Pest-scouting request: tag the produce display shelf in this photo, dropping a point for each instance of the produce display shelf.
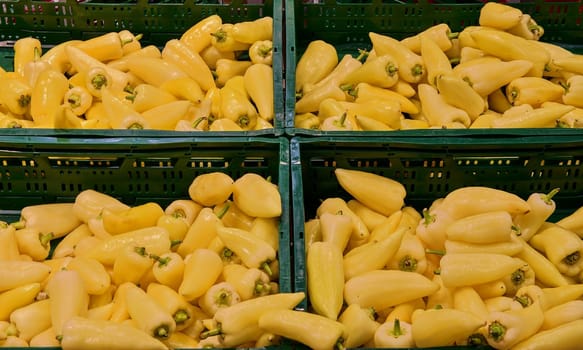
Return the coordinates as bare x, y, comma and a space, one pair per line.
346, 23
429, 168
158, 22
37, 170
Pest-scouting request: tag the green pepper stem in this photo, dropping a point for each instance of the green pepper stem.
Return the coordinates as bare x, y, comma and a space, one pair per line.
523, 300
162, 332
496, 331
549, 196
19, 224
24, 100
362, 55
175, 242
181, 316
211, 332
572, 258
223, 211
417, 70
45, 238
453, 35
266, 268
408, 263
397, 330
435, 251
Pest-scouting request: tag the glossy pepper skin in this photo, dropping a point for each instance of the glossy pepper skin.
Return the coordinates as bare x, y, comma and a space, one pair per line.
15, 273
258, 83
411, 65
436, 109
442, 327
487, 75
41, 217
471, 269
318, 60
565, 256
254, 252
533, 91
500, 16
150, 317
325, 287
508, 328
80, 332
16, 298
542, 206
198, 36
68, 296
395, 287
301, 326
201, 271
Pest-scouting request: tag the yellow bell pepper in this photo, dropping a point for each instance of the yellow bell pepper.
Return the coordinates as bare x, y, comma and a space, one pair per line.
336, 205
460, 94
83, 63
345, 66
381, 71
94, 275
175, 225
16, 298
471, 269
202, 269
436, 61
41, 217
8, 243
565, 256
542, 206
146, 96
184, 209
256, 196
154, 239
254, 252
372, 255
47, 95
571, 63
318, 60
106, 334
90, 203
437, 110
167, 115
508, 328
25, 51
201, 232
544, 270
252, 31
508, 47
410, 256
224, 39
15, 95
149, 316
315, 331
78, 99
131, 265
168, 269
527, 28
261, 51
393, 333
499, 15
32, 319
361, 185
129, 42
573, 91
104, 47
523, 276
325, 286
365, 92
34, 243
190, 62
248, 282
360, 325
211, 189
533, 91
258, 83
545, 116
238, 317
68, 297
184, 88
488, 75
155, 71
469, 300
411, 65
485, 228
392, 287
236, 107
134, 218
198, 36
442, 327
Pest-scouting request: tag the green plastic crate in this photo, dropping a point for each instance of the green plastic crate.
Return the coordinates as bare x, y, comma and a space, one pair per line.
36, 170
429, 168
346, 24
56, 22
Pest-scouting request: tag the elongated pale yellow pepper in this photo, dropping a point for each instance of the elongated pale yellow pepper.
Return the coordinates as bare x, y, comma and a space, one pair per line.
134, 218
202, 269
16, 298
325, 286
257, 196
68, 297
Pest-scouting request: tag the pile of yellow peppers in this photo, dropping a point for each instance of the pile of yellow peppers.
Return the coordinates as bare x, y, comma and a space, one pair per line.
100, 274
217, 76
497, 74
479, 266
